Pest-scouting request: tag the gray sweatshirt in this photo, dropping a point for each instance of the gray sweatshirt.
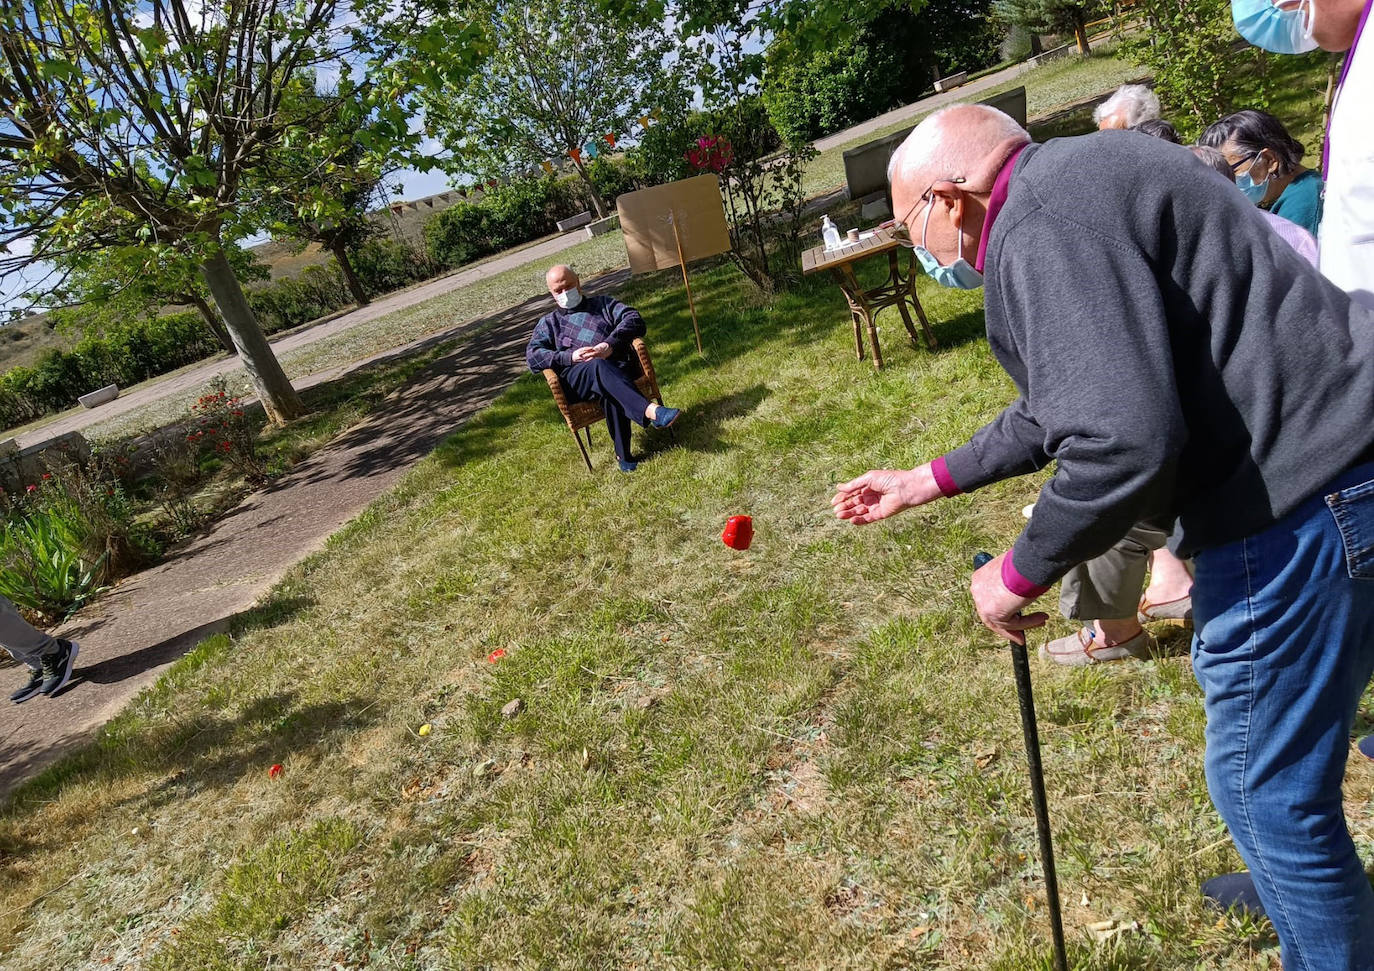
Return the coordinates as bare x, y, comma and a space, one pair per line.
1173, 355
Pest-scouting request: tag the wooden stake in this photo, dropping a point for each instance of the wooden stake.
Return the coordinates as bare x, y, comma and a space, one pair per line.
672, 217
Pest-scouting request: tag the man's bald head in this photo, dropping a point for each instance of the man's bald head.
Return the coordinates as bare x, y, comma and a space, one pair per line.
963, 143
956, 153
560, 278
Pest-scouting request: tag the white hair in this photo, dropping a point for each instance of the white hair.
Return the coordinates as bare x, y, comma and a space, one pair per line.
1136, 101
928, 149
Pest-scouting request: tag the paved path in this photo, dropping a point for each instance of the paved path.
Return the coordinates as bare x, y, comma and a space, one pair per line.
129, 636
197, 377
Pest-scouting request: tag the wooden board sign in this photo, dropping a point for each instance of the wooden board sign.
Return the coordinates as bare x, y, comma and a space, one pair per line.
647, 219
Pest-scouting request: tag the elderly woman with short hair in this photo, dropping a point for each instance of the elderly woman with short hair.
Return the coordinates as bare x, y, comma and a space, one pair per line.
1267, 162
1130, 105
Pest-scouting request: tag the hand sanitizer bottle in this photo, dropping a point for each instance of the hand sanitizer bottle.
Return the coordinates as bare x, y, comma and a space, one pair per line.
830, 234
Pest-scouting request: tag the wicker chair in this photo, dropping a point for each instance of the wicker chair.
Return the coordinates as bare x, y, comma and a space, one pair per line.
582, 415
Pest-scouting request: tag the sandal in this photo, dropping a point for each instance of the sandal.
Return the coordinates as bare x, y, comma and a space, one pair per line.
1077, 649
1178, 612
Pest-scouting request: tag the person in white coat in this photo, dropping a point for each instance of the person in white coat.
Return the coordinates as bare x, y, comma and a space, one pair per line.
1346, 240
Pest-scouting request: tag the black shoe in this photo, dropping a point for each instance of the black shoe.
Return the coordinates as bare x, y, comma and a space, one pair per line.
31, 688
1234, 891
57, 666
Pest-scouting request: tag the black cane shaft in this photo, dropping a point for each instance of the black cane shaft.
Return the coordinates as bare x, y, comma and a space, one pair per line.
1021, 666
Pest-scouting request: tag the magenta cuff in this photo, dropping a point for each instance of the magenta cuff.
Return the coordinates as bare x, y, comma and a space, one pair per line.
1016, 583
943, 480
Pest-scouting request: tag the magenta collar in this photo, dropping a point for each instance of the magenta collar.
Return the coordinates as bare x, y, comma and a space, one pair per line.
1000, 188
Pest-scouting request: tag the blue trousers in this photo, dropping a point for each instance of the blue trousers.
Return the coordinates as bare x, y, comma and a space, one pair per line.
610, 384
1283, 650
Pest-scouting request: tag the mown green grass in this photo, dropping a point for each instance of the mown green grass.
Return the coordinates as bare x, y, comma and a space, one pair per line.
806, 755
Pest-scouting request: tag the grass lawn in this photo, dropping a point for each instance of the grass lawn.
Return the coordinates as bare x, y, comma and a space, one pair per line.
803, 756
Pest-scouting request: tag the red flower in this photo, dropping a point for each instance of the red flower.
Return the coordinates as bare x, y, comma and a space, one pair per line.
496, 655
31, 488
47, 475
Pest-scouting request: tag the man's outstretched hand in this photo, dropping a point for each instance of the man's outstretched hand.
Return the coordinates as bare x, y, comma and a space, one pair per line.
884, 492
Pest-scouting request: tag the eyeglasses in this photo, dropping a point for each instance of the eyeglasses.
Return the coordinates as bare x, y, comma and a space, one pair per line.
1248, 160
925, 199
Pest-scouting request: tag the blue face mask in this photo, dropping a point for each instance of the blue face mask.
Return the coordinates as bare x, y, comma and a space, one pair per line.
1254, 192
1281, 31
959, 275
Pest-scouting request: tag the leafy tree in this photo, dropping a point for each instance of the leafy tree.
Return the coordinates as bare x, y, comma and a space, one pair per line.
113, 284
1051, 17
1189, 47
152, 112
289, 181
562, 73
890, 61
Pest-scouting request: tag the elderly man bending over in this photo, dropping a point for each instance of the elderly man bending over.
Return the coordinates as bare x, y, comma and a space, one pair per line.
1179, 362
1130, 105
587, 341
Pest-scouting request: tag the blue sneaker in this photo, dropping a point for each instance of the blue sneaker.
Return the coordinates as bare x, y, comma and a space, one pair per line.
1233, 891
664, 417
627, 466
1365, 746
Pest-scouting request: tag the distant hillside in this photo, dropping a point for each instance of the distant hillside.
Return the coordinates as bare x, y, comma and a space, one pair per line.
21, 342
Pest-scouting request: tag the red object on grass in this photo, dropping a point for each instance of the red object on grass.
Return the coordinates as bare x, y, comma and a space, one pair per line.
275, 771
739, 532
496, 655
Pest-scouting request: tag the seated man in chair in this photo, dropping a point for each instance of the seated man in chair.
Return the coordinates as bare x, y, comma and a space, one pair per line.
587, 342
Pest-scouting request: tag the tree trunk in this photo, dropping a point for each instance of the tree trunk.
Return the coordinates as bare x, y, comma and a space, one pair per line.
212, 322
598, 203
279, 398
355, 285
1080, 34
1037, 48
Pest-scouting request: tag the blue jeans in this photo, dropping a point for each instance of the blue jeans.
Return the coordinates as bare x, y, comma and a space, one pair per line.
611, 384
1283, 650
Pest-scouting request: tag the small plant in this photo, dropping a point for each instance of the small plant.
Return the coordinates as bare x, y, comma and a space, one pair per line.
176, 474
42, 566
223, 426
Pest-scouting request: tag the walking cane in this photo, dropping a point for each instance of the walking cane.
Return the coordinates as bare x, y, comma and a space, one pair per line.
1021, 666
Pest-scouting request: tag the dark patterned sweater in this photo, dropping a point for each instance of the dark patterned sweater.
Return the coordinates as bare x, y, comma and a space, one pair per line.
592, 321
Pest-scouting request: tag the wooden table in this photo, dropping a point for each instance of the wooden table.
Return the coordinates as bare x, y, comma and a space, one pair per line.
864, 305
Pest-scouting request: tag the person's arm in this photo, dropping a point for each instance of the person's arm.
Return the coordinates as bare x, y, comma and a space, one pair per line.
1098, 370
627, 325
1011, 444
542, 351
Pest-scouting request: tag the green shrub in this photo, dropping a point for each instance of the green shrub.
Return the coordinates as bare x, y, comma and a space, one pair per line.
613, 176
290, 302
42, 565
506, 216
384, 264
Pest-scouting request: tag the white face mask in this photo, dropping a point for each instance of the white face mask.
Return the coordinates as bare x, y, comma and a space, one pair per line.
570, 297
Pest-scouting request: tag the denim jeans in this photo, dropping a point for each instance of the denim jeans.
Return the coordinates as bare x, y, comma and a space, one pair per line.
1283, 650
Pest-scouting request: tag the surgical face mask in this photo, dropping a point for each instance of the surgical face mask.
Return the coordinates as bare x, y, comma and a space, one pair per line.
1263, 24
569, 298
1254, 191
959, 275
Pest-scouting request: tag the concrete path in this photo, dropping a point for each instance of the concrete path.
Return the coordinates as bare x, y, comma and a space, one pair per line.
129, 636
197, 377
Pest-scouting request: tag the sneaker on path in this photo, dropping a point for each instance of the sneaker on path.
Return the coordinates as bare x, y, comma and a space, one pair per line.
29, 688
57, 666
1080, 649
